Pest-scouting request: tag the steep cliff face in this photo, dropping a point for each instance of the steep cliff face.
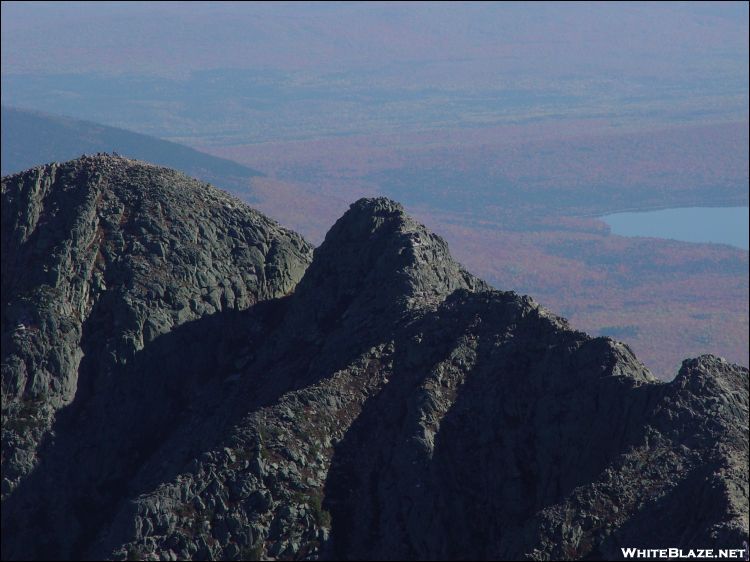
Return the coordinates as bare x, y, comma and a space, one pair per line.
393, 406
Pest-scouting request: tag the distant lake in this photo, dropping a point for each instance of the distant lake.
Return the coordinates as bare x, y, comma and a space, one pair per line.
723, 225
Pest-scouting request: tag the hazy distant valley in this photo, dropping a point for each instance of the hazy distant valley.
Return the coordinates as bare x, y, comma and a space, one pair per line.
316, 281
667, 299
510, 149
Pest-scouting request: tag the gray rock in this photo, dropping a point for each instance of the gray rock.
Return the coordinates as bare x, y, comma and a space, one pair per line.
99, 259
392, 406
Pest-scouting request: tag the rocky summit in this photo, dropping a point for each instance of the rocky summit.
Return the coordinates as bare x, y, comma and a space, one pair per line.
182, 378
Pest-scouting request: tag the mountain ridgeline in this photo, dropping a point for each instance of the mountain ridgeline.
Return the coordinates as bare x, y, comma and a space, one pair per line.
183, 378
32, 138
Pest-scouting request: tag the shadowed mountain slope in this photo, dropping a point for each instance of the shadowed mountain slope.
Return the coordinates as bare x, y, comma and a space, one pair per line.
384, 404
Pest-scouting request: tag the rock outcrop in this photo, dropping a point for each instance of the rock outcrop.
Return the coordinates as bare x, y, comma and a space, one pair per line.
100, 257
182, 390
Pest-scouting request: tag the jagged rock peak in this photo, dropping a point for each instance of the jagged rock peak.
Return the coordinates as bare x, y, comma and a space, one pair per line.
377, 257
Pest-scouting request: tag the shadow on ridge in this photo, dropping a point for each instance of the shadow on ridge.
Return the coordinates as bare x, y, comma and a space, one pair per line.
125, 411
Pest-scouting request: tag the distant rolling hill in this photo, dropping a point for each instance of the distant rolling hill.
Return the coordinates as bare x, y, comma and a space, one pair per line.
31, 138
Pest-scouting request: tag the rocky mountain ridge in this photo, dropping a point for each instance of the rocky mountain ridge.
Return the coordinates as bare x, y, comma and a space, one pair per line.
207, 387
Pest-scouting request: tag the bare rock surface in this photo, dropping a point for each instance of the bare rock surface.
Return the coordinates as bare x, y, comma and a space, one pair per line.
100, 257
185, 387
